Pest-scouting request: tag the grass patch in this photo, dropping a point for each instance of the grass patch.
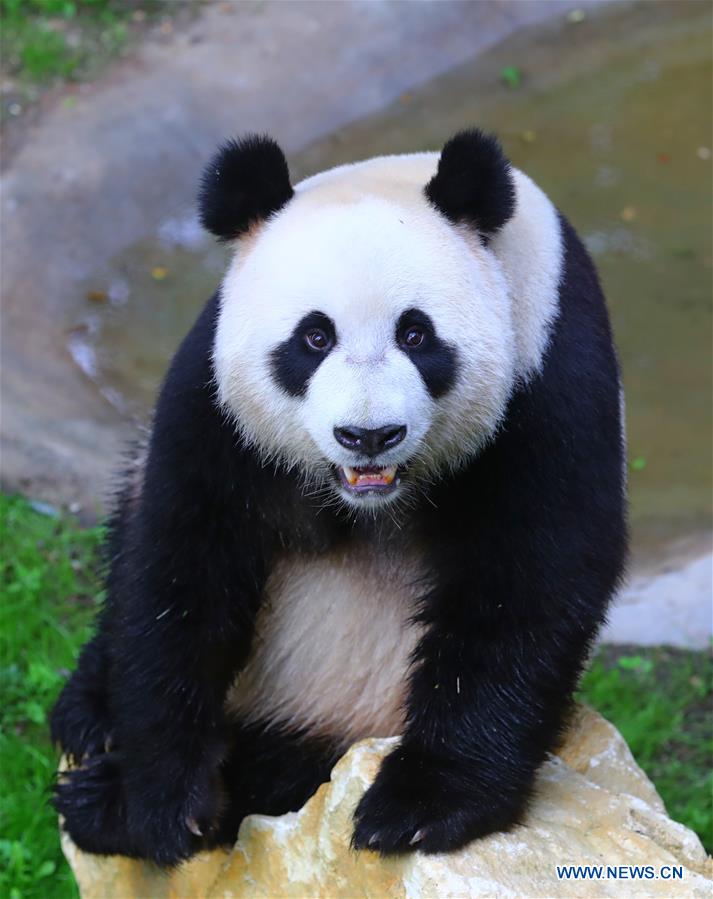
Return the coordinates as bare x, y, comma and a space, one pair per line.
48, 596
45, 40
659, 698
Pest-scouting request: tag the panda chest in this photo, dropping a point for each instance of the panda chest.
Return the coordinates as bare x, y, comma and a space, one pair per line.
332, 645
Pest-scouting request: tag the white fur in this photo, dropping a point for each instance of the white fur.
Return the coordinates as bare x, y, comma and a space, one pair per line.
624, 440
530, 250
361, 244
332, 644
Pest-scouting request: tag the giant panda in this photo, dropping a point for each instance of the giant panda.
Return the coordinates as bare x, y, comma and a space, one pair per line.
383, 495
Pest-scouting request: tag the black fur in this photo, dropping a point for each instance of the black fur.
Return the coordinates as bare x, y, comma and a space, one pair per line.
435, 359
525, 547
246, 181
81, 718
473, 182
269, 773
293, 361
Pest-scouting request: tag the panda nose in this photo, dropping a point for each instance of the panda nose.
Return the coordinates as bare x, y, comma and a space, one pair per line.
370, 440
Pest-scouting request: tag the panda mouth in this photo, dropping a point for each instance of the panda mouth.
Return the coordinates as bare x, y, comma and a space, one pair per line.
369, 478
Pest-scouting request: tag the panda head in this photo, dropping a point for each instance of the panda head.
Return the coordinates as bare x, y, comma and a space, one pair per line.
365, 333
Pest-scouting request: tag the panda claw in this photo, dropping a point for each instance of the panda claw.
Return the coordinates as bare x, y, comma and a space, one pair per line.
192, 825
373, 839
417, 837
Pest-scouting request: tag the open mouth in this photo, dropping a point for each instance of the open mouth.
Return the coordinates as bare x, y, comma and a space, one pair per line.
369, 478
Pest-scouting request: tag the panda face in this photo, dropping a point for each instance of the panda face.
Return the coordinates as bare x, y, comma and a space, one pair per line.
363, 338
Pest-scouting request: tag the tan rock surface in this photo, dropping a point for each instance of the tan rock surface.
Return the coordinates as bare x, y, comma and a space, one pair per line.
594, 806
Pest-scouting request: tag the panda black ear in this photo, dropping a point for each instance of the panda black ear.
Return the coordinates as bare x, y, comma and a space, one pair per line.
245, 182
473, 182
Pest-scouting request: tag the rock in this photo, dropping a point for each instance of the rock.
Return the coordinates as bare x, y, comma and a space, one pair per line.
594, 806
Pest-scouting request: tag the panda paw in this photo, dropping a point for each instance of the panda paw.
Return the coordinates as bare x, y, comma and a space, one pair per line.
421, 802
79, 723
90, 800
166, 822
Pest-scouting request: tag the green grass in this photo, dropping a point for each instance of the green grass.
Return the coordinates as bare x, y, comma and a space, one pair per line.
48, 595
659, 698
45, 40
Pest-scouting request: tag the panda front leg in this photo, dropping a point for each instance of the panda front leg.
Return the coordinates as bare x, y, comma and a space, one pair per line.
184, 589
157, 793
508, 626
175, 641
487, 702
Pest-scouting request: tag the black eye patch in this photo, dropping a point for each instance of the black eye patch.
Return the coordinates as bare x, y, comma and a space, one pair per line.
294, 361
436, 361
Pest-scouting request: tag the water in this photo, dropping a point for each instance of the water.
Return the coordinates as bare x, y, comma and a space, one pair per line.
612, 117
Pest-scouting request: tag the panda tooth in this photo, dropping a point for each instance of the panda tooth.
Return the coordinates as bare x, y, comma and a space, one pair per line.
354, 475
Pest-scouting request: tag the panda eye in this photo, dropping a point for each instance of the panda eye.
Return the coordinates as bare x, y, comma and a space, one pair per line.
317, 339
413, 337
